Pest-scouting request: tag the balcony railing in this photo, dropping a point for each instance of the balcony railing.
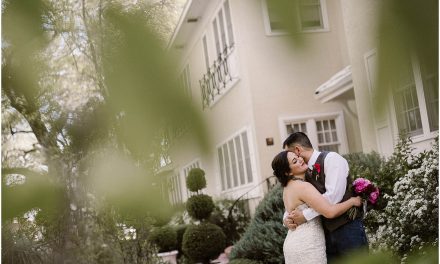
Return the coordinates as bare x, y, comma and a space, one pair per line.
218, 78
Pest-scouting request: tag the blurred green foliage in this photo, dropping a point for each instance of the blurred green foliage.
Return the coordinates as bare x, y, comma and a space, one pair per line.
101, 138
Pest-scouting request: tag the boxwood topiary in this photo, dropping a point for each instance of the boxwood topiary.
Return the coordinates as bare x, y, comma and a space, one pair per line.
200, 206
180, 230
164, 237
196, 180
203, 242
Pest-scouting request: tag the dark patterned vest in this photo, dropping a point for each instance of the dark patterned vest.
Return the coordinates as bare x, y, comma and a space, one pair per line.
319, 183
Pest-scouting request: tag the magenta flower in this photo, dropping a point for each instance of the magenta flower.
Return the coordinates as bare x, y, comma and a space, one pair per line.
374, 196
361, 185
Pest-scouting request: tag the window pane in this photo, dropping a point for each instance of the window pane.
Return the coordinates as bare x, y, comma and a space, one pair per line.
229, 23
216, 37
289, 129
227, 166
325, 122
274, 18
222, 30
327, 137
240, 159
303, 128
310, 13
222, 168
320, 138
247, 157
318, 125
233, 162
332, 124
335, 136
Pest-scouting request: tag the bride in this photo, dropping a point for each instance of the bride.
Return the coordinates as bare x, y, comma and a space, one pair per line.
307, 243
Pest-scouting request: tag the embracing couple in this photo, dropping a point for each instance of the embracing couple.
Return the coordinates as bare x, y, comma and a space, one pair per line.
316, 183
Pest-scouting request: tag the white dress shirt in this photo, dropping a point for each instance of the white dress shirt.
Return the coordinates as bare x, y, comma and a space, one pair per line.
336, 173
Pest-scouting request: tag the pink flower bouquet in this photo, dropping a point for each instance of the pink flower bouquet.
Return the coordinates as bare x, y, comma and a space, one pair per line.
369, 193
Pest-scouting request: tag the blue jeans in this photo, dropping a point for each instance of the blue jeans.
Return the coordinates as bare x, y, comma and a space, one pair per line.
346, 238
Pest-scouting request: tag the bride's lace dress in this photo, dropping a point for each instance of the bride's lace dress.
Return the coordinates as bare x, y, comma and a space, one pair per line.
306, 244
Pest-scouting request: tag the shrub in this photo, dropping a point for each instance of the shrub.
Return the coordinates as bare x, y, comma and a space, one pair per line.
264, 238
200, 206
196, 180
409, 222
180, 230
235, 226
203, 242
164, 237
409, 191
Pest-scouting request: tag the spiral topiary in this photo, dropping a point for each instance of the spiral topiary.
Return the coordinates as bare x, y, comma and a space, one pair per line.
203, 242
200, 206
164, 237
196, 180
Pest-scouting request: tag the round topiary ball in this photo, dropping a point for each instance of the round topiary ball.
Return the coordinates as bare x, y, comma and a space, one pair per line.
203, 242
200, 206
164, 237
196, 180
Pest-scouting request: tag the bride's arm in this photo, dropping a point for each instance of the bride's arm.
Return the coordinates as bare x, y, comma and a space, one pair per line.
315, 200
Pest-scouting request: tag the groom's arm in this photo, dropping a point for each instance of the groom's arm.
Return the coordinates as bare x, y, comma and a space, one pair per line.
336, 172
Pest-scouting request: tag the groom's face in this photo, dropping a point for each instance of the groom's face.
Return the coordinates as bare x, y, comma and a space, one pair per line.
297, 149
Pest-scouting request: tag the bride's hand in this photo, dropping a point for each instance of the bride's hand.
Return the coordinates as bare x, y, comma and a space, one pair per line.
357, 201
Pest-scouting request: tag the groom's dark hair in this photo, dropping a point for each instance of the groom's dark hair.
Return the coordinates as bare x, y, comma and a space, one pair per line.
297, 138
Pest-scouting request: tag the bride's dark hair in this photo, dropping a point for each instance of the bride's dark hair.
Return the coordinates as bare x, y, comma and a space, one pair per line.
281, 167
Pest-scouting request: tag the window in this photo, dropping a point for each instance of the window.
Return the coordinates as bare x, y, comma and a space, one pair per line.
415, 97
175, 189
327, 135
221, 71
311, 16
185, 81
234, 158
187, 169
326, 132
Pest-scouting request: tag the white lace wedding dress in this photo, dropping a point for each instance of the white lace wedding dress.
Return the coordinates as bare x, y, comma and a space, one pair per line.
306, 244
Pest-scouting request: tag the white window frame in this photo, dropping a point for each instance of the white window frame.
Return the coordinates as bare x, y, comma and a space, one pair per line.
239, 187
270, 32
380, 124
418, 80
310, 121
184, 174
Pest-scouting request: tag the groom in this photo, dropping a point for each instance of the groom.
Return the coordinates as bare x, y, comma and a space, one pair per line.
331, 179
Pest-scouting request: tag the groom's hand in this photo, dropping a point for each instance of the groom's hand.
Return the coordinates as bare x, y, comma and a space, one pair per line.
289, 222
298, 217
